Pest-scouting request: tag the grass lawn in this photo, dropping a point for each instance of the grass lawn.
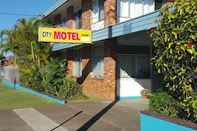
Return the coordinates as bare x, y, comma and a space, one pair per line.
83, 98
12, 99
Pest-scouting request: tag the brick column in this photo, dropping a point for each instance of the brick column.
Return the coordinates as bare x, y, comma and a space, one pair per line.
70, 17
110, 73
110, 12
86, 14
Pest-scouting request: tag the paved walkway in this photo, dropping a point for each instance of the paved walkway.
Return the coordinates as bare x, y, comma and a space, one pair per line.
37, 121
91, 116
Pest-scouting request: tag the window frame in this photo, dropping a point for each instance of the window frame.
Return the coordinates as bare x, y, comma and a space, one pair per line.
78, 15
100, 6
129, 10
119, 9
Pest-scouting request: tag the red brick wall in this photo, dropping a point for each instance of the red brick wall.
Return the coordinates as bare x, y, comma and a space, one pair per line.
110, 12
85, 23
86, 14
71, 23
103, 88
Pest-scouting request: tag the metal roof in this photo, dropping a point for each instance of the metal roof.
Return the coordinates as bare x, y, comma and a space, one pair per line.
58, 4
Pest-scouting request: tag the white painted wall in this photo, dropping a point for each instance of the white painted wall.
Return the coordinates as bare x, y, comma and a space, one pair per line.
131, 87
128, 85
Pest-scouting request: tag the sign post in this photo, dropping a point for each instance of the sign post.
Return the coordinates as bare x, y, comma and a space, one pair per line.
64, 35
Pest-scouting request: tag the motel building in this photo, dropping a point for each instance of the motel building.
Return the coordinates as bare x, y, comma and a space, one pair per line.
116, 65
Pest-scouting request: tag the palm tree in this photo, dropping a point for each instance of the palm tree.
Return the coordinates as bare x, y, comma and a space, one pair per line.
22, 41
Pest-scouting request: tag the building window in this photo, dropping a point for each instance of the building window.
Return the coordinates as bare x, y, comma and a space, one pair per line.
98, 62
77, 69
78, 19
97, 10
128, 9
123, 8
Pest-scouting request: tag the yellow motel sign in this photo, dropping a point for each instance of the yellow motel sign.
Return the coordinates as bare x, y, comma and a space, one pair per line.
64, 35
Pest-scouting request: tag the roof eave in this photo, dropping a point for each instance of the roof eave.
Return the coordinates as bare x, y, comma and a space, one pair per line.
52, 9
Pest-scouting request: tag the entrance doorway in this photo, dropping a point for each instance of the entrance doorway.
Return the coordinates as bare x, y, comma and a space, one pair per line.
133, 75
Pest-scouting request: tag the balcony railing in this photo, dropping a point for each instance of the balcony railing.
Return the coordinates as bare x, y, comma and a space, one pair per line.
141, 23
120, 19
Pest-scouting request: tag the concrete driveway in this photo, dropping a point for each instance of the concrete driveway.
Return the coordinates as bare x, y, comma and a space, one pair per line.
91, 116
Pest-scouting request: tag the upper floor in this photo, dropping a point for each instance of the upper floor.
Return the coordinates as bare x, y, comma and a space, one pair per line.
98, 14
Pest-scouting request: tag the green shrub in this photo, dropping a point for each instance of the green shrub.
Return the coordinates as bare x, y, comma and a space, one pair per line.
187, 109
37, 69
163, 103
175, 56
175, 48
69, 89
29, 54
51, 79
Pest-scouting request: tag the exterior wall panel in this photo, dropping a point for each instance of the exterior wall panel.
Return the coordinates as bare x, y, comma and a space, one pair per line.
110, 12
103, 88
86, 14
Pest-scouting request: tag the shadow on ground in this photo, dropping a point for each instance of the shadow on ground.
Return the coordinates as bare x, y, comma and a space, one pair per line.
95, 118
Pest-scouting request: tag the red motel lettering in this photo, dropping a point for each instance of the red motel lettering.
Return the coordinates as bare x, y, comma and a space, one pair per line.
66, 35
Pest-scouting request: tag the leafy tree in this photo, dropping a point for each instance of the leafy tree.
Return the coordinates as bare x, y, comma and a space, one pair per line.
175, 54
55, 82
37, 69
29, 54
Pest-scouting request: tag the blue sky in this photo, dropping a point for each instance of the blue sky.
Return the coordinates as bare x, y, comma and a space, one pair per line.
32, 7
